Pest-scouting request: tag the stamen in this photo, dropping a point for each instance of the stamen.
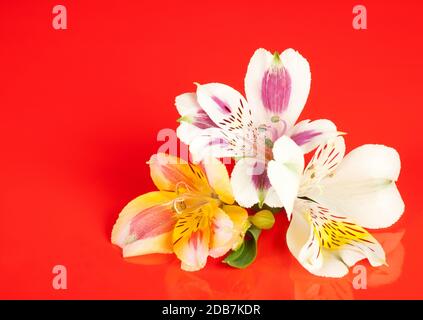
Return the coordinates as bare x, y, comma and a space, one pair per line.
179, 205
181, 188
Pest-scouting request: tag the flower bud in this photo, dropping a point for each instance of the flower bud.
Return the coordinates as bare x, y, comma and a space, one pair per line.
263, 219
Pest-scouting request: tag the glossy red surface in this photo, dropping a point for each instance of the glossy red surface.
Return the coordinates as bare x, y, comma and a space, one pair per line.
80, 110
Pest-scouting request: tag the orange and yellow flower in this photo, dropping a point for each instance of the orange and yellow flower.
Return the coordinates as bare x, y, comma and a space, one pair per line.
192, 214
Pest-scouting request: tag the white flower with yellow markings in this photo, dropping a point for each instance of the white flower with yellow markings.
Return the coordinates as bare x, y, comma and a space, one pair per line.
338, 197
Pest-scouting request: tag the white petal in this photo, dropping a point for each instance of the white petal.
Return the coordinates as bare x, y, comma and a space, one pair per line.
375, 257
260, 62
298, 239
221, 102
333, 244
285, 150
310, 255
210, 142
308, 135
285, 171
324, 162
244, 190
187, 132
272, 199
370, 161
332, 266
299, 71
363, 187
298, 231
192, 113
187, 104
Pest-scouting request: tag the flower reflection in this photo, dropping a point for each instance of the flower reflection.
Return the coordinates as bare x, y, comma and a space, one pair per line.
151, 259
309, 287
216, 283
394, 249
266, 278
260, 281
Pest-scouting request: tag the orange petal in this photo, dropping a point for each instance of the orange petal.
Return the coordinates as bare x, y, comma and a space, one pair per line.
170, 173
145, 225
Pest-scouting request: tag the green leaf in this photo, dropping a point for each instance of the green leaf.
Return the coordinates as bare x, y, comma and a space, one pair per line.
247, 252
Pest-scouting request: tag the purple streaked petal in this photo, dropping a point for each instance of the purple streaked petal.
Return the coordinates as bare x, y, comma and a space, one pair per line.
217, 141
260, 180
202, 120
222, 105
276, 89
303, 137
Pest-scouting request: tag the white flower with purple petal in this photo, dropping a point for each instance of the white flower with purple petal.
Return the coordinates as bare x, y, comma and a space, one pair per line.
218, 121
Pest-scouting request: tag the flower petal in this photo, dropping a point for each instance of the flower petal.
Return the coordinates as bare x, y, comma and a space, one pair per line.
222, 234
170, 173
193, 118
187, 132
161, 243
144, 225
191, 111
224, 105
239, 217
277, 85
245, 192
218, 178
285, 171
301, 242
308, 135
299, 71
187, 104
272, 199
334, 243
259, 64
324, 162
191, 237
251, 185
268, 85
211, 142
337, 233
363, 187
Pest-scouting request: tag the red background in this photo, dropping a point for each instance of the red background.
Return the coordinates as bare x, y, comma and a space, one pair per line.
80, 110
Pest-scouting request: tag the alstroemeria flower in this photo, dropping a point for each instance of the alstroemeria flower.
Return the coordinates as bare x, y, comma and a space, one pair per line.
217, 120
192, 215
339, 197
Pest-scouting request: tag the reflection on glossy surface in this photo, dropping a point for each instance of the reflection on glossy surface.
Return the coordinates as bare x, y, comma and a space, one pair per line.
150, 259
394, 249
210, 285
274, 275
266, 278
310, 287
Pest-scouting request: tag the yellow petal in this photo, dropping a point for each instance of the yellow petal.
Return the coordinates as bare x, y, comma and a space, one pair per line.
239, 217
170, 173
333, 243
218, 178
145, 224
191, 237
